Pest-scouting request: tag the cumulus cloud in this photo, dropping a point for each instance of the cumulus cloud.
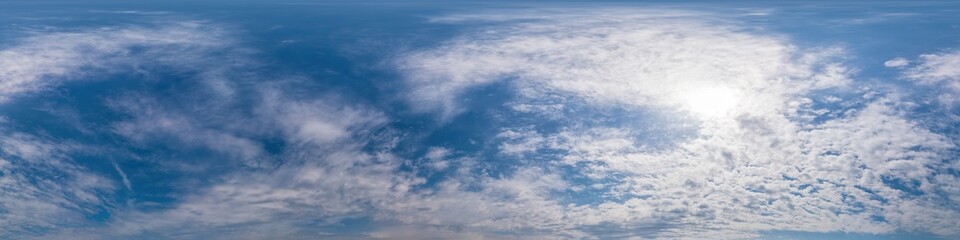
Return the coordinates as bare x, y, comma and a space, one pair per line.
772, 161
759, 174
625, 57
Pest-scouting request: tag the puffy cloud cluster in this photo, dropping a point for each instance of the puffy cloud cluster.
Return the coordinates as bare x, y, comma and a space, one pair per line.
779, 159
621, 57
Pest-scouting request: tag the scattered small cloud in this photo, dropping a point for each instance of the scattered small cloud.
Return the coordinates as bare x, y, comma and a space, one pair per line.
941, 70
896, 63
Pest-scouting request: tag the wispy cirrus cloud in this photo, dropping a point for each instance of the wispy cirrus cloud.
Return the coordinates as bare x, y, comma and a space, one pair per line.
46, 59
336, 164
42, 189
936, 69
50, 187
330, 160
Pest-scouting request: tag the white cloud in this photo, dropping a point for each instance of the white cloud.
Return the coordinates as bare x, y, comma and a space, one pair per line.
325, 173
44, 60
764, 164
325, 176
623, 57
42, 189
941, 70
896, 63
152, 123
437, 158
933, 68
123, 176
756, 174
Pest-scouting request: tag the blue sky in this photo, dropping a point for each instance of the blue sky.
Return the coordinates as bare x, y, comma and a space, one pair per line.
496, 120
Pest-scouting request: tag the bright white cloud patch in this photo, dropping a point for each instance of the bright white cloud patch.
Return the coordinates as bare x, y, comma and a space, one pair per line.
710, 101
760, 161
623, 57
934, 68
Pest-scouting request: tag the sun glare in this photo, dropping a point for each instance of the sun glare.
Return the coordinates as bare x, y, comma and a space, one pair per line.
711, 101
